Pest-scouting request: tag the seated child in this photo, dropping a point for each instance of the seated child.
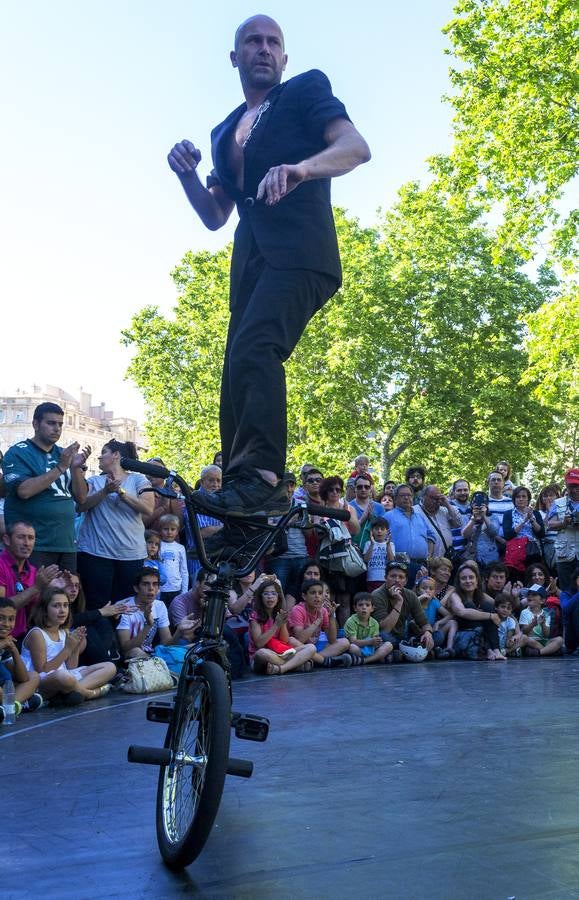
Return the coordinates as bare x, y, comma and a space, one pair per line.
444, 625
11, 666
511, 639
363, 632
309, 618
52, 649
271, 650
378, 551
535, 622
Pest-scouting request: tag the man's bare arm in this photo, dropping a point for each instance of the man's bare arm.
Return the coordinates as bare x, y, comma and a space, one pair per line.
212, 205
346, 149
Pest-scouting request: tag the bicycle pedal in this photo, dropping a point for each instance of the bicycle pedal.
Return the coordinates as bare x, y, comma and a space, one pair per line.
250, 728
159, 711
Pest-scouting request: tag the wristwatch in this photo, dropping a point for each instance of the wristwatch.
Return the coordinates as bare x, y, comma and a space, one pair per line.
121, 492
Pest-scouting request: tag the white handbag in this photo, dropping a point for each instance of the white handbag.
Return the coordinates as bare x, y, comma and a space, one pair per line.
148, 675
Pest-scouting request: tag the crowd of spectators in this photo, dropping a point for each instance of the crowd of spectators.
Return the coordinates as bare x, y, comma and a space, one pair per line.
96, 571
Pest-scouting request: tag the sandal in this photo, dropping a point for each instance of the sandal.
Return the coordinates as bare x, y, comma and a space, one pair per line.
307, 666
273, 669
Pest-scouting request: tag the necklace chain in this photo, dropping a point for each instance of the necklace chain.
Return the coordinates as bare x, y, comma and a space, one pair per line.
260, 111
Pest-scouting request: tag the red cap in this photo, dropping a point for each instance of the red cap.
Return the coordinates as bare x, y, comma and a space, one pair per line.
572, 476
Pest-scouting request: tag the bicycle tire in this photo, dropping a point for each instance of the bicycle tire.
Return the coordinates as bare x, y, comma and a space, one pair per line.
188, 797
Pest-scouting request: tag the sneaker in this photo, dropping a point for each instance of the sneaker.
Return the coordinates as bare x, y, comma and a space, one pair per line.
73, 698
344, 660
33, 703
246, 494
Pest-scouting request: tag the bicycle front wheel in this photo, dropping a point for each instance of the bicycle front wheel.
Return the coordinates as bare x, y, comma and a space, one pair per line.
190, 788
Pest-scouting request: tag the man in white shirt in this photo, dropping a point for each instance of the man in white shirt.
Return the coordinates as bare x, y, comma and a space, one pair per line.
147, 621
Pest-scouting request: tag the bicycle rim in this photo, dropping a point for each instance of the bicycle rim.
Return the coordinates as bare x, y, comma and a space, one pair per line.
189, 790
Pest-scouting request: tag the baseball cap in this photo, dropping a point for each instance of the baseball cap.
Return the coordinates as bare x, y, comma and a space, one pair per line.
538, 589
289, 476
572, 476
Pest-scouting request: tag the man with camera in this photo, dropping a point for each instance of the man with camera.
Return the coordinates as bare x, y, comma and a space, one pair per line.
564, 519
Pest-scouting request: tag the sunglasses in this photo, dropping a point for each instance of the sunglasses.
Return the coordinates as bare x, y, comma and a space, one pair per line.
312, 480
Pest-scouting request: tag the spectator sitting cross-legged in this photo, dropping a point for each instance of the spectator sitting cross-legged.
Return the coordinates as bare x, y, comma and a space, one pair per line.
146, 622
52, 649
189, 607
536, 623
20, 581
443, 623
111, 540
471, 607
398, 611
99, 623
363, 632
271, 650
309, 618
12, 667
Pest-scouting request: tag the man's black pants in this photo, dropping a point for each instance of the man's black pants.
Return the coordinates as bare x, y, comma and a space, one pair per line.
270, 311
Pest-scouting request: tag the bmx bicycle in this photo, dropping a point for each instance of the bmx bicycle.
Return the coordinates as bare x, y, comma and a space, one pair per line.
195, 757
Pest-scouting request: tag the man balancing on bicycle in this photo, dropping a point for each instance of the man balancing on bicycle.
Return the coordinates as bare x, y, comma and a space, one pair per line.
273, 158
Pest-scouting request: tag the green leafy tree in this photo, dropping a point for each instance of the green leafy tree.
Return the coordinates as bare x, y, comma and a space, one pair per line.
177, 362
516, 122
421, 350
553, 374
419, 356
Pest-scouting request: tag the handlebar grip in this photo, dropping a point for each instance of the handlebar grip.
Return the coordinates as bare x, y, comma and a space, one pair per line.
329, 512
145, 468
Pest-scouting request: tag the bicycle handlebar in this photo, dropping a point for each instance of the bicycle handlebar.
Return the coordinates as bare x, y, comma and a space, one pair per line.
329, 512
155, 471
145, 468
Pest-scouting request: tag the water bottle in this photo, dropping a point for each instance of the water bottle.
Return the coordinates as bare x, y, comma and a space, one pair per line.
9, 702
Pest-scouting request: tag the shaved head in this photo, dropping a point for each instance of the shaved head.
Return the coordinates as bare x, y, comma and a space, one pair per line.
249, 22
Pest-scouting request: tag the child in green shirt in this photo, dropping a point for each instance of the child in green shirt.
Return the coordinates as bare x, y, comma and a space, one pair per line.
363, 632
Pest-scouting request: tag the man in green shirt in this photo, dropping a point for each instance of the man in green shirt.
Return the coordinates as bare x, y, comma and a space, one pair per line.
398, 611
38, 488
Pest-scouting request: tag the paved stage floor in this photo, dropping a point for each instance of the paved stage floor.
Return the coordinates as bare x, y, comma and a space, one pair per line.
441, 780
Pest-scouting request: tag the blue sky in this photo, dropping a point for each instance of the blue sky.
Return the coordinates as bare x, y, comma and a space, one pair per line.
92, 220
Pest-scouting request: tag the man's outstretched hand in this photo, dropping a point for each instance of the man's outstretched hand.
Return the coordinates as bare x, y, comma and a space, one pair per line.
184, 158
280, 181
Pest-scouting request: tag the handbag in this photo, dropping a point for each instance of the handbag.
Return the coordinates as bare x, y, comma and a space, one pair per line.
467, 644
533, 551
337, 553
516, 553
147, 675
